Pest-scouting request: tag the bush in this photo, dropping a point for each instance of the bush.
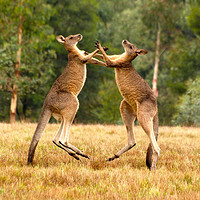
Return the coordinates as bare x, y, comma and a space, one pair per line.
189, 105
109, 99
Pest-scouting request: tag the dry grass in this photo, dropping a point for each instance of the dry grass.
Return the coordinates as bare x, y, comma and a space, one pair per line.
55, 175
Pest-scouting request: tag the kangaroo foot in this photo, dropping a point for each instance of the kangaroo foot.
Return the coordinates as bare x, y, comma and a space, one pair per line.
76, 150
112, 158
69, 151
83, 155
74, 155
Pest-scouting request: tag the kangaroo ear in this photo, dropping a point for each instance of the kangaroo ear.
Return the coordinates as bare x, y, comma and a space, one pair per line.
141, 52
60, 39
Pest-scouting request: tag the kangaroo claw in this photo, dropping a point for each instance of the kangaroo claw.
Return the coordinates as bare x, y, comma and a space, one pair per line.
105, 48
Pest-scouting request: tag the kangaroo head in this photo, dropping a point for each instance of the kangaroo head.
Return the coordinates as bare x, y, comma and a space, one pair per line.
70, 42
132, 50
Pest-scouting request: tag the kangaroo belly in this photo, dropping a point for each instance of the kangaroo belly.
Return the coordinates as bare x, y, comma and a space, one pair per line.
131, 91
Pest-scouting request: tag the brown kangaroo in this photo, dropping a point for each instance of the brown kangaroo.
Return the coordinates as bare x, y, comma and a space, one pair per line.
139, 100
62, 101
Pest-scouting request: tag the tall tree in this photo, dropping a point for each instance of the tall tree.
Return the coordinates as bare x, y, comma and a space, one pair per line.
23, 55
161, 16
13, 104
157, 61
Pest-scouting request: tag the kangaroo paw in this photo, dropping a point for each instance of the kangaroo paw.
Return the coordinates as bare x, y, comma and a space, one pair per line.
105, 48
97, 44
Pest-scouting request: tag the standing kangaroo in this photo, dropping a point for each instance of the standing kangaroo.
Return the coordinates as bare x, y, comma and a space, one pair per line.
139, 100
62, 101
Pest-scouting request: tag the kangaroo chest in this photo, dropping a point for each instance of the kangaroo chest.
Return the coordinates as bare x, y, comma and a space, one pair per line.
72, 79
76, 84
131, 85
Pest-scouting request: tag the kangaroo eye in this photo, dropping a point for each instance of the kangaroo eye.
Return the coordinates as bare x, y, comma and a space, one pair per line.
131, 47
71, 38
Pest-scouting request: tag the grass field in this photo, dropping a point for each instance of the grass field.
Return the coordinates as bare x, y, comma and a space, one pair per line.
56, 175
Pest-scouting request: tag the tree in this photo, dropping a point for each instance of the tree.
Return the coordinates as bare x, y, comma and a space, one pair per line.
23, 56
13, 104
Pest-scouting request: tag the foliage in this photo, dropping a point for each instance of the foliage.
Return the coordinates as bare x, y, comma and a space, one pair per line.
109, 99
193, 18
109, 21
36, 65
188, 108
184, 64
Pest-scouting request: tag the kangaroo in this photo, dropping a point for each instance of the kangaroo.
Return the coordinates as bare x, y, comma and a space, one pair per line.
139, 100
62, 101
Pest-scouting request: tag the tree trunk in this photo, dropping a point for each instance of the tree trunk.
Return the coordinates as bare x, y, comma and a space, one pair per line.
13, 105
157, 60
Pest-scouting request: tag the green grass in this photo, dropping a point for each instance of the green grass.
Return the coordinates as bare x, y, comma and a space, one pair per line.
56, 175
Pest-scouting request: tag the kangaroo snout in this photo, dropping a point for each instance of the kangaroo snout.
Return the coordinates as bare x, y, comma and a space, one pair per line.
124, 41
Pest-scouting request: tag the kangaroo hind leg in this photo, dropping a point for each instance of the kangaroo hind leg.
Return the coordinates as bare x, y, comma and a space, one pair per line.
150, 148
44, 119
56, 142
128, 116
64, 142
146, 121
68, 117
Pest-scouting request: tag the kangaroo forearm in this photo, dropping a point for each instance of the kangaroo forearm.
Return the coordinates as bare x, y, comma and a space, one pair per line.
94, 61
88, 57
97, 55
110, 62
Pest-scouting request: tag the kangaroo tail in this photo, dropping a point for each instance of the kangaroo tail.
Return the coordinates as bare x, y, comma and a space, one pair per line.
150, 149
43, 120
149, 156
